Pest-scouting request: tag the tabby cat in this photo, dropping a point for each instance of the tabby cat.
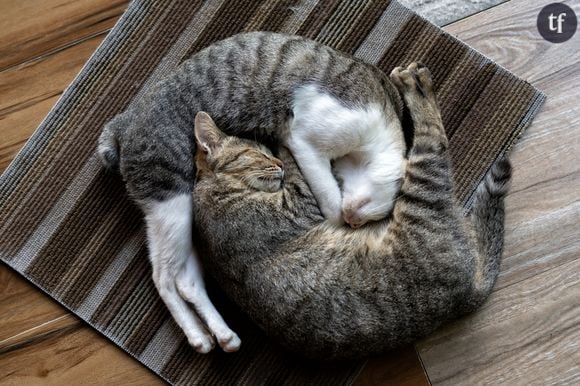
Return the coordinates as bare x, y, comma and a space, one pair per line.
337, 293
323, 105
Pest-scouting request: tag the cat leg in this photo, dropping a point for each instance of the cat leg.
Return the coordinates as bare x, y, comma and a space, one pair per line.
317, 172
191, 287
169, 225
427, 189
416, 86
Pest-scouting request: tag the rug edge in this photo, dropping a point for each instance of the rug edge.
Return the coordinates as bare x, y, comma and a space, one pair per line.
108, 338
532, 111
37, 137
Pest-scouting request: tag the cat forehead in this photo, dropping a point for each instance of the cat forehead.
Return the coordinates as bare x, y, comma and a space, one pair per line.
239, 153
236, 144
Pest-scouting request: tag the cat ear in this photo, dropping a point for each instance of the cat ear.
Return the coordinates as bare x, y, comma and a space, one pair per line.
207, 134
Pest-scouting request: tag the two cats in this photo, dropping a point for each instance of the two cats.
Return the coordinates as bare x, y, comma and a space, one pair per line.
334, 112
339, 293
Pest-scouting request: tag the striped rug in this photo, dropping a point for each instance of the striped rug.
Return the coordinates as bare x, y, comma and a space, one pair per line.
69, 228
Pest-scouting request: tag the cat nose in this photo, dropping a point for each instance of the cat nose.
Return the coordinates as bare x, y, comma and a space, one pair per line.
352, 218
278, 163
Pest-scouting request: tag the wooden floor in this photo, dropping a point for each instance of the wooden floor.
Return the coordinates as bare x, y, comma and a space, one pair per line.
529, 331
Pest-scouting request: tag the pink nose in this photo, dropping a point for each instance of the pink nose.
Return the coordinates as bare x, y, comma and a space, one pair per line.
355, 225
352, 219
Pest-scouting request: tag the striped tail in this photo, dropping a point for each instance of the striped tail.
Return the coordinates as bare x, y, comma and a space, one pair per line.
487, 220
109, 146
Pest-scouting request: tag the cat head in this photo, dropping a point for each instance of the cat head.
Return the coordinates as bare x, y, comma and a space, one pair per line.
236, 162
369, 187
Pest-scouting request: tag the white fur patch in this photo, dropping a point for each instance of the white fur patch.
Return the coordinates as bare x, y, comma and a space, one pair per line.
178, 275
337, 130
169, 230
368, 149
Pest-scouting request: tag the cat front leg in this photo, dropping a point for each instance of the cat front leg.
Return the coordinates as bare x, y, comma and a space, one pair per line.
427, 189
177, 274
317, 172
416, 86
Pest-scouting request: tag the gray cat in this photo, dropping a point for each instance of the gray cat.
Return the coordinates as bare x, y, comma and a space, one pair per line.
337, 293
323, 105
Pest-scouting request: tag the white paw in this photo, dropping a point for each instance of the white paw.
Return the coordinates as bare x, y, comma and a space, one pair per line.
336, 220
333, 215
230, 342
202, 344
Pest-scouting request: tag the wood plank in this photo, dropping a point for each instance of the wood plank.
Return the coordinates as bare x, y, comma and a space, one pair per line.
34, 28
57, 326
543, 206
443, 12
23, 306
399, 367
43, 344
543, 203
40, 341
529, 330
71, 355
507, 33
527, 333
28, 92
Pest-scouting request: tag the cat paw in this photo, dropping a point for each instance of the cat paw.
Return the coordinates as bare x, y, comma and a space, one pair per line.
202, 344
333, 215
335, 219
230, 342
415, 79
416, 85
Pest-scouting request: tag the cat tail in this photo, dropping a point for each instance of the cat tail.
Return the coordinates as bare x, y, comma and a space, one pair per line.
487, 222
108, 148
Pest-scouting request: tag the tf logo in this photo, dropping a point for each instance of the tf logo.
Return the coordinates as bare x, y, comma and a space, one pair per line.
557, 22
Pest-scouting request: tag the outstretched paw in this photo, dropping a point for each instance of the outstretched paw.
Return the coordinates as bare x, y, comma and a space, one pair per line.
415, 79
416, 86
201, 343
230, 342
332, 214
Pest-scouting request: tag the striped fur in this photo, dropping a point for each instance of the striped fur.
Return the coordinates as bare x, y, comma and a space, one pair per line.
334, 293
487, 219
323, 104
247, 83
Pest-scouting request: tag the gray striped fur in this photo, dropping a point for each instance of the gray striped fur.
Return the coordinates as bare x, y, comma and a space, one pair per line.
245, 83
337, 293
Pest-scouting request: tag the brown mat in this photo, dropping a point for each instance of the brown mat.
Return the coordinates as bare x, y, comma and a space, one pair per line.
68, 227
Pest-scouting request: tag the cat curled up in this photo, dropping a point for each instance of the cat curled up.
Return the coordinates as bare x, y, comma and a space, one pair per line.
334, 113
338, 293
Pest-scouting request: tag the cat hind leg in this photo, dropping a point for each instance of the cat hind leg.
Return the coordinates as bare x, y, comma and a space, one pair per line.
169, 227
191, 287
